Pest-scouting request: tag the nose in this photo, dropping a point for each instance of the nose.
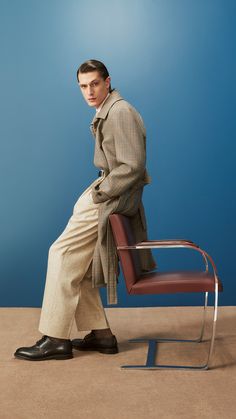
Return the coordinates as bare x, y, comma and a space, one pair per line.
90, 90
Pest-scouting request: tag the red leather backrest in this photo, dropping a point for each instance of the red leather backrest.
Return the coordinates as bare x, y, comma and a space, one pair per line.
129, 259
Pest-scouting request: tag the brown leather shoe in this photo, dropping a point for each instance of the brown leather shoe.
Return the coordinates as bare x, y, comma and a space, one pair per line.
45, 349
92, 343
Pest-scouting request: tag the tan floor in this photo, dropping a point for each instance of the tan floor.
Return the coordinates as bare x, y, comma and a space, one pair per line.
92, 385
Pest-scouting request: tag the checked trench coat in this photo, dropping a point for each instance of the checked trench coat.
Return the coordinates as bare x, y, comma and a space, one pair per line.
120, 150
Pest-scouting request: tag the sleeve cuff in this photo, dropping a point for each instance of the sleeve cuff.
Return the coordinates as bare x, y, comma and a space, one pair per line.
99, 196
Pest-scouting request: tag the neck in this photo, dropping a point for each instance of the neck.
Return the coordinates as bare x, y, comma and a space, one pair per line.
102, 101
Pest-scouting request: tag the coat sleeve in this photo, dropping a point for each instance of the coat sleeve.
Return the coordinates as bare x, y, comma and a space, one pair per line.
129, 142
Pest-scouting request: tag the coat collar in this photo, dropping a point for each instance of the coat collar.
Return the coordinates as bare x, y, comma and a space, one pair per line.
112, 98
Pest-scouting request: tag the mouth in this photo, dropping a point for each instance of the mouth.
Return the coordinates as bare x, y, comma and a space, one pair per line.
91, 99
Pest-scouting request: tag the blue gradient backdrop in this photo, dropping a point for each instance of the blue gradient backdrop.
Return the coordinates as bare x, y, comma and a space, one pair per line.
174, 60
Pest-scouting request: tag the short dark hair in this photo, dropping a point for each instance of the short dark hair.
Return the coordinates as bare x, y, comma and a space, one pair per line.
94, 65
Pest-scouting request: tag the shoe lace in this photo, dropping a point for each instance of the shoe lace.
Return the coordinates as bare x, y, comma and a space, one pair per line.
41, 340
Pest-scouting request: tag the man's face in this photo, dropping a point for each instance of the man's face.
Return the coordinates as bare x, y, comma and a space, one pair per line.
93, 87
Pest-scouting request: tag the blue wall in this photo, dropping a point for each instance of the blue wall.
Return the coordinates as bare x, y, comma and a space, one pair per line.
174, 60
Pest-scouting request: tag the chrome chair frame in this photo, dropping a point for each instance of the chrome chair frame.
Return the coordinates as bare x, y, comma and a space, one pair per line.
152, 343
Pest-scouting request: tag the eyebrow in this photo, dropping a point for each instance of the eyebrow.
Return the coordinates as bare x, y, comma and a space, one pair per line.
84, 84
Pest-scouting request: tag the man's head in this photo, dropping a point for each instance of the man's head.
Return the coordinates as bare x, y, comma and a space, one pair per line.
94, 81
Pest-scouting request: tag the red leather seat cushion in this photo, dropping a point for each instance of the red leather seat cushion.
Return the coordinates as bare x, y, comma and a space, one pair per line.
173, 282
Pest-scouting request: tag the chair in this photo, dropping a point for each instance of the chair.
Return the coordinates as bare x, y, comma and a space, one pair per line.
138, 283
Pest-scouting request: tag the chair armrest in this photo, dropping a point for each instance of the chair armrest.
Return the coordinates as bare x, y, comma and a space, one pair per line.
152, 244
173, 243
166, 242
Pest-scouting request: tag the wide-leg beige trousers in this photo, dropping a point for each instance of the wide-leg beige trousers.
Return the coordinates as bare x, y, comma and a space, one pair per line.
68, 293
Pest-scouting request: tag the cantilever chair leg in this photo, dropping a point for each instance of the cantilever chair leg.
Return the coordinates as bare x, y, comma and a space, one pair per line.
153, 344
204, 318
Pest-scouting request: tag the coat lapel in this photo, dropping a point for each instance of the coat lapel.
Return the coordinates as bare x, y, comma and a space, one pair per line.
112, 98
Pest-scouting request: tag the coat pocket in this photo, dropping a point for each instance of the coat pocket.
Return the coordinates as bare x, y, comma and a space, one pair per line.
129, 202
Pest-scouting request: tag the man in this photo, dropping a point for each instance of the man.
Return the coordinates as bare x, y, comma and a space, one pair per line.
83, 257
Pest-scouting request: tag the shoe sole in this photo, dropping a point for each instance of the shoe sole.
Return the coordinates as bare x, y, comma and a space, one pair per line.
57, 357
101, 350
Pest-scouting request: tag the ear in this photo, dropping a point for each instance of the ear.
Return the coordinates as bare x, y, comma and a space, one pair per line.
108, 81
